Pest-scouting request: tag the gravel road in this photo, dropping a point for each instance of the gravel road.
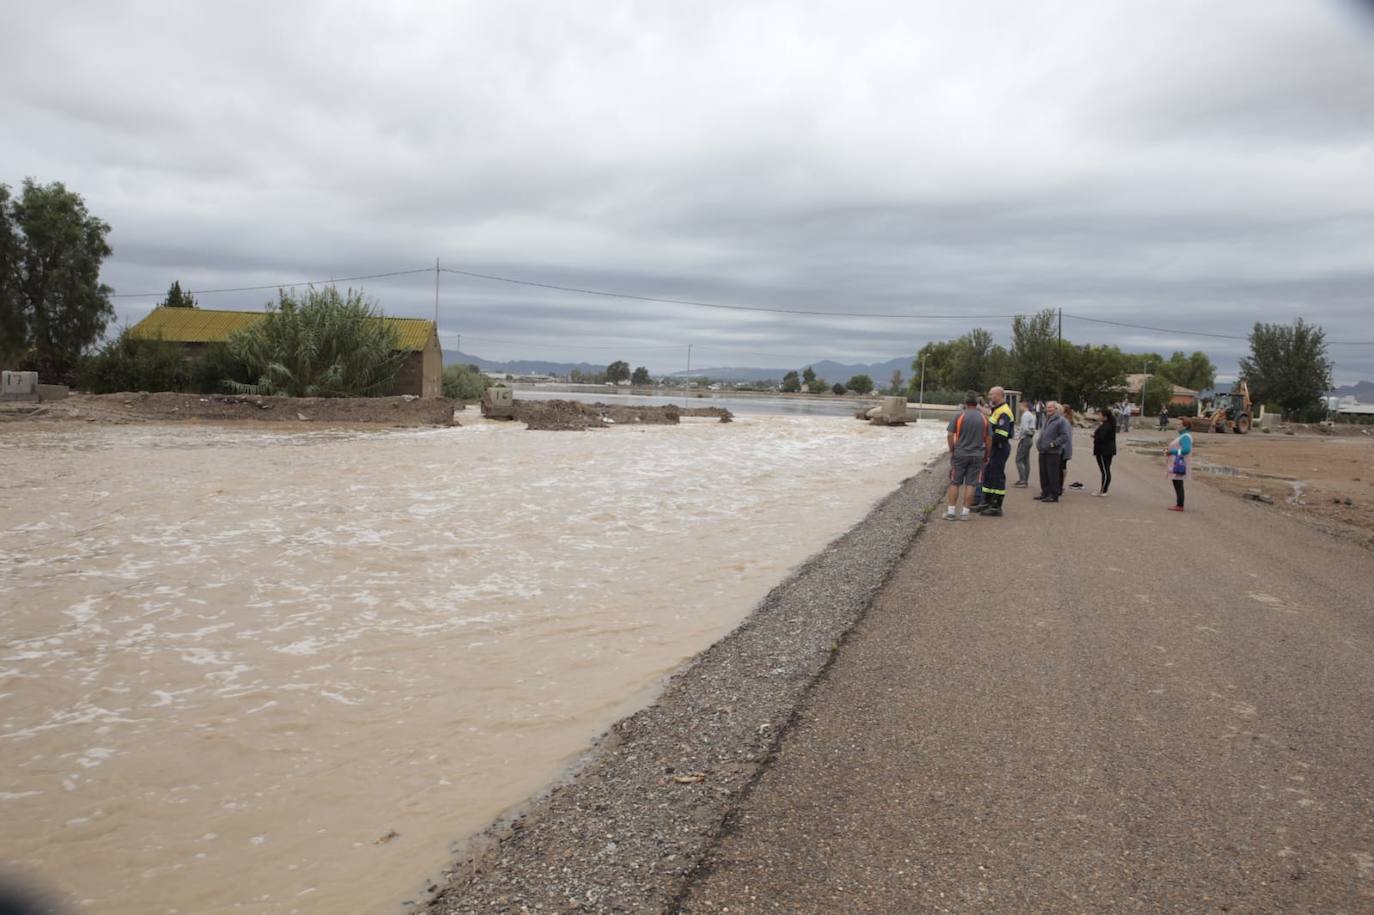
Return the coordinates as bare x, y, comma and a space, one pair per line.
1097, 705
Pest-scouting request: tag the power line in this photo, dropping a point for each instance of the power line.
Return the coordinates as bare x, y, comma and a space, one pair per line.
331, 280
567, 345
762, 308
1199, 333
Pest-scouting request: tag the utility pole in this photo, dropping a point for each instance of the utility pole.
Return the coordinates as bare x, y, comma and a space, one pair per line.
1143, 381
687, 382
436, 295
1059, 356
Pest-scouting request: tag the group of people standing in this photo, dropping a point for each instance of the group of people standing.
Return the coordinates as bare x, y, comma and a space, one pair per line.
981, 436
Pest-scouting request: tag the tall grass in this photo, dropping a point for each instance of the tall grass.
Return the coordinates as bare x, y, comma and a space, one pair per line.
321, 345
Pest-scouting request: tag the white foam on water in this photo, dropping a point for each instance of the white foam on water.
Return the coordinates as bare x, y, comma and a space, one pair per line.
324, 637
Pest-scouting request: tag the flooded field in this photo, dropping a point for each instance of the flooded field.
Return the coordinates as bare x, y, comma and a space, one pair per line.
254, 670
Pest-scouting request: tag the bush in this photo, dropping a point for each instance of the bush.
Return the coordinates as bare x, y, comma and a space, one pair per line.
324, 345
837, 388
128, 363
218, 371
464, 382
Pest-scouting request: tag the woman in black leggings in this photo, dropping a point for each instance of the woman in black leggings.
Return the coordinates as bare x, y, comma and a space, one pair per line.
1104, 449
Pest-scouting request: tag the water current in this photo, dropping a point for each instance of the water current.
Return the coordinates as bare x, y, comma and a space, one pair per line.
252, 670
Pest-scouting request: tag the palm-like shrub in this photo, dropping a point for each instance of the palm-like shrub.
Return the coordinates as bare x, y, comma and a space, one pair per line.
322, 345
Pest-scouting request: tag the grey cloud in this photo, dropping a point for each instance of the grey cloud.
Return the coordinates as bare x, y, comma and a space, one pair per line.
1185, 166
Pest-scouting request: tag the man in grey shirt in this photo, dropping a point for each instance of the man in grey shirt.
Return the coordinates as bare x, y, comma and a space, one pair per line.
968, 449
1025, 437
1055, 440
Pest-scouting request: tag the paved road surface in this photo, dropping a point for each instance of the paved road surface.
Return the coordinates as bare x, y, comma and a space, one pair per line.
1098, 705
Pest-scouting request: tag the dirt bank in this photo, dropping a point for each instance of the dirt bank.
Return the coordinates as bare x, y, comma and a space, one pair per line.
545, 415
1325, 479
214, 408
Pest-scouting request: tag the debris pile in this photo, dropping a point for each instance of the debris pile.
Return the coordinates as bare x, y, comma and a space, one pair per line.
558, 415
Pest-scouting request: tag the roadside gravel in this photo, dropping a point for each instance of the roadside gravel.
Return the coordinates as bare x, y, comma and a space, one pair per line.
635, 819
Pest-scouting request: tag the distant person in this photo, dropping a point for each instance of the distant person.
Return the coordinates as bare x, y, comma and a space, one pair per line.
1001, 425
1025, 439
1104, 449
1180, 457
1163, 418
967, 437
1051, 443
1039, 415
1125, 411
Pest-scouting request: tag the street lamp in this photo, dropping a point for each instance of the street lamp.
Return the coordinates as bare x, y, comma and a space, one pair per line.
921, 410
1143, 381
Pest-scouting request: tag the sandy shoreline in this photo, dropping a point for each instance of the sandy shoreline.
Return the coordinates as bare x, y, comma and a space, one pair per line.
625, 831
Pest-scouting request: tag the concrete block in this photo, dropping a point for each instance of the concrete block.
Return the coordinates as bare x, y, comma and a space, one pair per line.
19, 385
891, 411
47, 392
499, 402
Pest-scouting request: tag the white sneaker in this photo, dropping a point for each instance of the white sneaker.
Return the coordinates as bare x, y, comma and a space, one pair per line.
966, 515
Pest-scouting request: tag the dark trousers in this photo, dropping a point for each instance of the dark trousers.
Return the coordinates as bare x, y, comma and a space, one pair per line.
1104, 467
995, 471
1178, 492
1051, 474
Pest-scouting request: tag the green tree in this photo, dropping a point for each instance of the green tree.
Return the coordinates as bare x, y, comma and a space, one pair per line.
176, 298
1195, 371
895, 383
998, 368
1034, 340
791, 383
640, 376
1159, 390
13, 325
618, 371
972, 354
1143, 363
808, 375
1092, 375
815, 386
1288, 366
52, 302
128, 363
837, 388
938, 358
322, 345
464, 382
862, 384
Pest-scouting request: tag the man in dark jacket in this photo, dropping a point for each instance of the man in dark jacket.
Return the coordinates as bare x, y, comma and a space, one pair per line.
1052, 444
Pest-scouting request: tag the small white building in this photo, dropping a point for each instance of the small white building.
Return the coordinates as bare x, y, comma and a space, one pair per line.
1348, 406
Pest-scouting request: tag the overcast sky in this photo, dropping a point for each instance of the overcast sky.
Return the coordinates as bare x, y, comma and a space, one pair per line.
1187, 165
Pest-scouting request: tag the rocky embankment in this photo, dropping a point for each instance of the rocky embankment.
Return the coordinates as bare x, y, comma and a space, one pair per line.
170, 407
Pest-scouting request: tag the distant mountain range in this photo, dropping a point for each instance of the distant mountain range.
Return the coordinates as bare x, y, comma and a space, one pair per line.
1362, 391
880, 372
519, 366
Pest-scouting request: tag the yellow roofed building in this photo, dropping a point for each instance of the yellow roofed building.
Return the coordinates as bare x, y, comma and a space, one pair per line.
196, 328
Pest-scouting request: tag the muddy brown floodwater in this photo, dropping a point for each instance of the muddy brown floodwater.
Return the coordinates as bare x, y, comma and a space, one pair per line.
260, 671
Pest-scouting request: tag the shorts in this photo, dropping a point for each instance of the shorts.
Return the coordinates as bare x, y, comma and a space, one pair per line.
964, 471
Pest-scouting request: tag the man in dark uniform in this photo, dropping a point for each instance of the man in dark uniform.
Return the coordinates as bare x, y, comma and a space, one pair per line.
1001, 424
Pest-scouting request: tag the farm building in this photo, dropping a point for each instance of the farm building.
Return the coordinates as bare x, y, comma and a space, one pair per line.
196, 328
1181, 396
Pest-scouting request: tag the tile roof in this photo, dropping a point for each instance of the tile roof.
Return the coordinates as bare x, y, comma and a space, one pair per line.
213, 325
